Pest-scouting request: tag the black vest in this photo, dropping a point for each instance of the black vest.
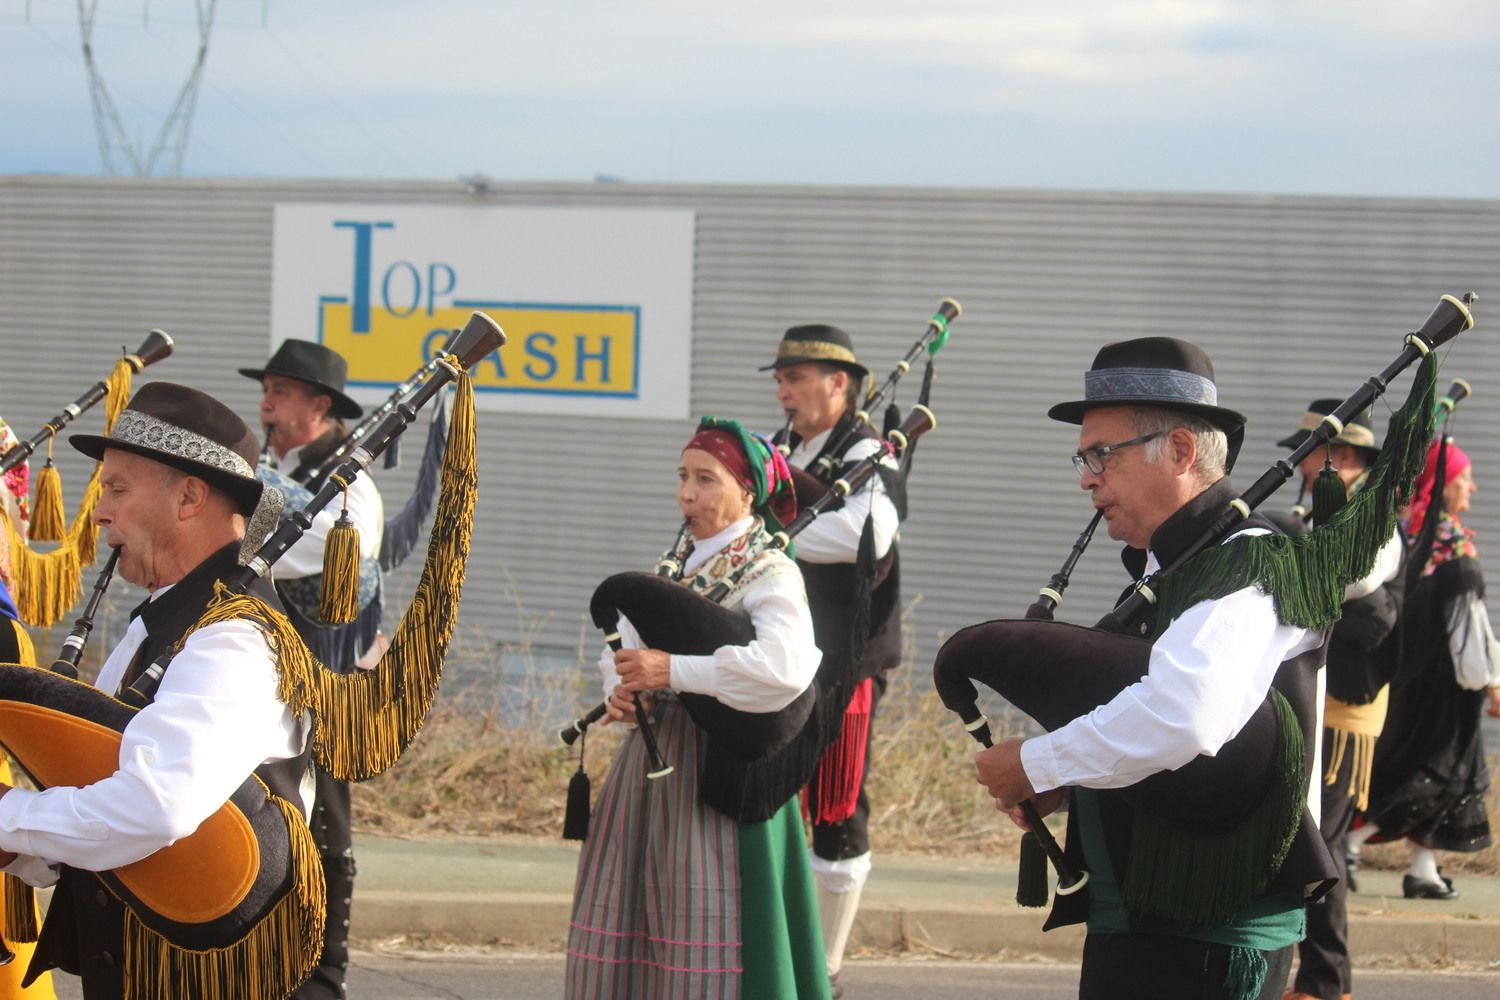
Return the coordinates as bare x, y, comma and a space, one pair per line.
1364, 652
837, 592
83, 933
1307, 867
314, 454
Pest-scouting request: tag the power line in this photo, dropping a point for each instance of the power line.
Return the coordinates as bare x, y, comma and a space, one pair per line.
115, 145
348, 115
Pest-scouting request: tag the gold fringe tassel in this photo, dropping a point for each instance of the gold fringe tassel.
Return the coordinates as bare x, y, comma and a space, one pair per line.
20, 911
271, 960
27, 653
19, 908
50, 584
367, 718
1361, 746
1355, 729
339, 601
47, 518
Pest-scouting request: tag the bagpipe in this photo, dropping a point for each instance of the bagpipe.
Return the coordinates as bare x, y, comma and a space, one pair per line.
932, 340
50, 583
1055, 672
755, 761
339, 612
237, 907
373, 419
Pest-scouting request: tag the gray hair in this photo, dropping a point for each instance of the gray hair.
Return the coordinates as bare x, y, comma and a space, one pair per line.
1212, 443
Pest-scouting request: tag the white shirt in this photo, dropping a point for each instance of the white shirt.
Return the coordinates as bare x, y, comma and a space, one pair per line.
366, 510
763, 676
215, 719
1208, 673
1472, 644
834, 537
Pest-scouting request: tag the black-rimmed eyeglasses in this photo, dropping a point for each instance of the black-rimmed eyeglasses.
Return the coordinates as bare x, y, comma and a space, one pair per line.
1092, 459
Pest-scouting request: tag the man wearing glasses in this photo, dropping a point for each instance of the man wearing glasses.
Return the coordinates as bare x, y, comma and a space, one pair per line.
1154, 451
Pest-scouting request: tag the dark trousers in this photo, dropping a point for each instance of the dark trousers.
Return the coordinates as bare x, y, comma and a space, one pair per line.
1157, 966
331, 832
1324, 968
850, 838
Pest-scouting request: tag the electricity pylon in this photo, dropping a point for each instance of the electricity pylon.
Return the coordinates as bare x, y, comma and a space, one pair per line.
115, 146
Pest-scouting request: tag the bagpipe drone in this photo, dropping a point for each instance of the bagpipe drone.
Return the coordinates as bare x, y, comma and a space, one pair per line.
237, 907
1055, 672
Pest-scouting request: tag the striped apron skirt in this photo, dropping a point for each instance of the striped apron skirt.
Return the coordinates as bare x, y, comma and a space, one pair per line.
675, 900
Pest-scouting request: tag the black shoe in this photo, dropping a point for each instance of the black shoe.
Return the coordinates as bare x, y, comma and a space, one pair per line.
1351, 865
1415, 888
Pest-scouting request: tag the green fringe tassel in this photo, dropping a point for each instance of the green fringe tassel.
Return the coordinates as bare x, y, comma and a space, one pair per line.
1246, 975
339, 604
1329, 495
1306, 576
1031, 874
1205, 881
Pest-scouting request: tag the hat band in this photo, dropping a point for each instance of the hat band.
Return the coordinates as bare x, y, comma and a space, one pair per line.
145, 431
813, 350
1360, 437
1148, 385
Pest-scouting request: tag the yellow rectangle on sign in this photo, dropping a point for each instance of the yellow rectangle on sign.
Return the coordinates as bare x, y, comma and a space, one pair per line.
550, 348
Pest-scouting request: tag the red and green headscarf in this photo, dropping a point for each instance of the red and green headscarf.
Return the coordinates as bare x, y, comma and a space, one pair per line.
755, 464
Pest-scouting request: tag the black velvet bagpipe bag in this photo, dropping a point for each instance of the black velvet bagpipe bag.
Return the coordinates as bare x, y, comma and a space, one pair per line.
208, 890
672, 618
1056, 672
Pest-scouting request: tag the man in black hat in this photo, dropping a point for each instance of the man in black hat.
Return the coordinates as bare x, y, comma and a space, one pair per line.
1154, 450
178, 485
1360, 668
303, 407
850, 563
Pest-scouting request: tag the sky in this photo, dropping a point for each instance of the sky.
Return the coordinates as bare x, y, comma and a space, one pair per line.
1376, 97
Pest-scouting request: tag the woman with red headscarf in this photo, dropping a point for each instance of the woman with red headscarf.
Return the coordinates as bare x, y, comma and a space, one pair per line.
675, 899
1430, 777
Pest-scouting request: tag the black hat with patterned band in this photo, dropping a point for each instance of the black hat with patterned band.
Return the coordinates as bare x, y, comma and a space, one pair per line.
1357, 432
188, 430
817, 342
1152, 371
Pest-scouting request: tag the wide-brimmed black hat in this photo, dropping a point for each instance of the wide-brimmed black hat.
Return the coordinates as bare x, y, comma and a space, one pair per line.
188, 430
1357, 431
1152, 371
321, 367
817, 342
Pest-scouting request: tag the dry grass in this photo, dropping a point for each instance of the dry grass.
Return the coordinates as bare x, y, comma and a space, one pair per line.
481, 767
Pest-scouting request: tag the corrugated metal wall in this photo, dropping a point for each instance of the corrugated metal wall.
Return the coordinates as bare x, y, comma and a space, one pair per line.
1294, 297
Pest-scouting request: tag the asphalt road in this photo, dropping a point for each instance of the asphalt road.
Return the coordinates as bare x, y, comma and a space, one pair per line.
511, 976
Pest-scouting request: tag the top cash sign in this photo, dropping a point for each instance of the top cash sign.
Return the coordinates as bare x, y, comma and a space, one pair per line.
596, 304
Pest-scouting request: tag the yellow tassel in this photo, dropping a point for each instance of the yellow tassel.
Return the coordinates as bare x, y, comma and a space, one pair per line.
367, 718
50, 584
339, 604
26, 653
20, 911
47, 518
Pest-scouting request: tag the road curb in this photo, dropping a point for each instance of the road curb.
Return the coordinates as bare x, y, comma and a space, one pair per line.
540, 921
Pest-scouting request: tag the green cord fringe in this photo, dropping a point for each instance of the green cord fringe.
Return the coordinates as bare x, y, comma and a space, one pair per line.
1306, 576
1206, 881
